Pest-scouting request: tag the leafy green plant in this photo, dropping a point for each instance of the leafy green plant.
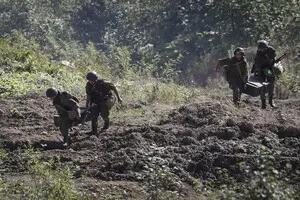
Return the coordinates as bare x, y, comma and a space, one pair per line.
158, 186
3, 154
262, 181
46, 181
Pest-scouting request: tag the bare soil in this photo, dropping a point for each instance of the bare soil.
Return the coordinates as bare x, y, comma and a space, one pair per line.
190, 141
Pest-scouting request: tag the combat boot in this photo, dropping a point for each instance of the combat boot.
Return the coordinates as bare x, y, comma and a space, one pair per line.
67, 141
237, 103
94, 127
263, 104
271, 102
94, 130
106, 124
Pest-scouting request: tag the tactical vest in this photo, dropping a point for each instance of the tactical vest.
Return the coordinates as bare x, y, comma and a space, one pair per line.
99, 91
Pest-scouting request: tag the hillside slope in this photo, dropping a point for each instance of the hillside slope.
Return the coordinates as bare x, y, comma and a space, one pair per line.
189, 141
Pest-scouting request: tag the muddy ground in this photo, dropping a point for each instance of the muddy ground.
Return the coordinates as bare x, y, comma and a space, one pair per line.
190, 142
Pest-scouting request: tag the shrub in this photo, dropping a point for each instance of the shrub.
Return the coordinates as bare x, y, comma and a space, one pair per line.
46, 181
262, 181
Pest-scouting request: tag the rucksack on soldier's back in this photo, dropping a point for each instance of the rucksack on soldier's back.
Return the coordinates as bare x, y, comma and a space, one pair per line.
278, 69
110, 101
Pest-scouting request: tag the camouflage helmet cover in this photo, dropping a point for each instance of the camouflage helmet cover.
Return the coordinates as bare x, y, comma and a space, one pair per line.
262, 44
239, 49
51, 92
92, 76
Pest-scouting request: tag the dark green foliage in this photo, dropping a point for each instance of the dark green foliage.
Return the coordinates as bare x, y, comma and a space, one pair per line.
262, 180
46, 180
173, 40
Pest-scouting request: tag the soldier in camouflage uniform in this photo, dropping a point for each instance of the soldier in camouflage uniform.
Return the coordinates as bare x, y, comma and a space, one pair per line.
263, 68
99, 96
236, 73
68, 110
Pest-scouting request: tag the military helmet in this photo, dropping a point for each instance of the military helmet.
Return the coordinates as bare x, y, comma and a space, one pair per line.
239, 49
262, 44
92, 76
51, 92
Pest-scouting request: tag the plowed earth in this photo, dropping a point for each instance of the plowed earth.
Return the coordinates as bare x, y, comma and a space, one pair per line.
190, 141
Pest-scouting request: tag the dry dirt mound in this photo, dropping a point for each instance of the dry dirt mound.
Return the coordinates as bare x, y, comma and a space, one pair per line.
192, 141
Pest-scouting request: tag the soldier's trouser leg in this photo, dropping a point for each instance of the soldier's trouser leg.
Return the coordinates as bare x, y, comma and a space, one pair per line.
104, 112
94, 118
263, 93
271, 88
64, 129
94, 125
236, 89
235, 95
263, 97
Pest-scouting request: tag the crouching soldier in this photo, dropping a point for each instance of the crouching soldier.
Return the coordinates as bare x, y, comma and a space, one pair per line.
68, 110
99, 99
236, 73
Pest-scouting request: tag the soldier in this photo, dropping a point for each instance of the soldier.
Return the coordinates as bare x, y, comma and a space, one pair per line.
236, 73
68, 110
263, 69
100, 99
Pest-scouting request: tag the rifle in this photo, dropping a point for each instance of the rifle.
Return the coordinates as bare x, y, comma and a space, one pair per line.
278, 69
279, 59
272, 61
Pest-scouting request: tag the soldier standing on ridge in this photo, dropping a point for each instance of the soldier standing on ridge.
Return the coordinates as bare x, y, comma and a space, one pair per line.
236, 73
68, 110
100, 99
263, 69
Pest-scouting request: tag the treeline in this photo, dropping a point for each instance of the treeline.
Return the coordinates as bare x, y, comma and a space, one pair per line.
174, 39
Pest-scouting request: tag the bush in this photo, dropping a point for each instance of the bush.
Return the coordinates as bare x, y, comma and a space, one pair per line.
160, 184
46, 181
262, 181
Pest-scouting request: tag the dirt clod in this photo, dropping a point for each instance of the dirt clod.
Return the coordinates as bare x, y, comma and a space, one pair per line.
192, 141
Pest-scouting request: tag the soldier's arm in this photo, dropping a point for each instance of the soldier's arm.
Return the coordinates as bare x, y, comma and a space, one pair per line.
260, 62
271, 54
221, 63
68, 101
113, 88
88, 95
60, 110
88, 101
75, 106
245, 71
224, 61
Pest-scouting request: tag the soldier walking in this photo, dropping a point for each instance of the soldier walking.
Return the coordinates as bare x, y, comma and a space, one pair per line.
236, 73
100, 99
263, 69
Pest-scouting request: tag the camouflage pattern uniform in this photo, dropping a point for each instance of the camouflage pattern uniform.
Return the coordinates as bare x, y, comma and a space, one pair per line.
97, 95
236, 75
263, 62
68, 110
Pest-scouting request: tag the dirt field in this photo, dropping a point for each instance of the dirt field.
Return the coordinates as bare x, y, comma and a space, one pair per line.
189, 141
